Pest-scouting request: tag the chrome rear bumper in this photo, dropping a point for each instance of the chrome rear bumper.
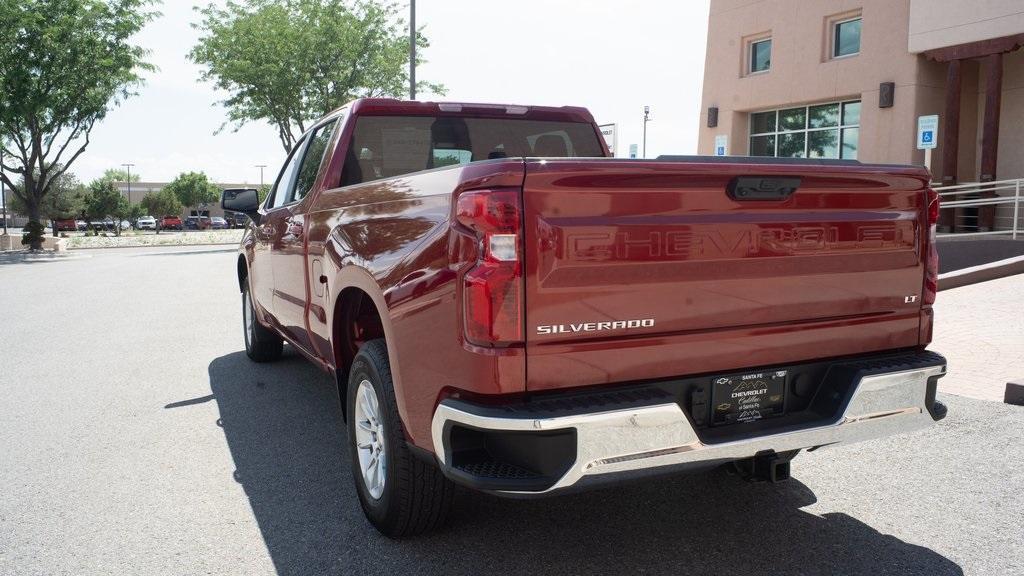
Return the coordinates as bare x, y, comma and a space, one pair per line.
660, 435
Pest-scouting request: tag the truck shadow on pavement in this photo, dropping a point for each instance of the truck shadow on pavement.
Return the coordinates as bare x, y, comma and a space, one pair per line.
285, 434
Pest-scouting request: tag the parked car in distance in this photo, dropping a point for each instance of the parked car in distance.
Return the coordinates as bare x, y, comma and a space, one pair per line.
106, 224
66, 225
239, 220
82, 225
171, 223
146, 223
197, 222
507, 308
218, 223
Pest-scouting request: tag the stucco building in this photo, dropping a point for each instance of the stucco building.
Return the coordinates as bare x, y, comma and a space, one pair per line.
849, 78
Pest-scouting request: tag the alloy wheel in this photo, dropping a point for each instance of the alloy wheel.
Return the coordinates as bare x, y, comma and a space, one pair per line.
369, 431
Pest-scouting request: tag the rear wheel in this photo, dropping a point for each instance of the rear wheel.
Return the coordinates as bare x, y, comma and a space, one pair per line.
261, 343
400, 494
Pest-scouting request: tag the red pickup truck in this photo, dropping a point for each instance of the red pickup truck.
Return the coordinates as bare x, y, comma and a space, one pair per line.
506, 307
171, 223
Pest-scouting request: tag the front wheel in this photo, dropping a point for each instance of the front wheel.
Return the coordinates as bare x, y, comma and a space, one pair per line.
261, 343
400, 494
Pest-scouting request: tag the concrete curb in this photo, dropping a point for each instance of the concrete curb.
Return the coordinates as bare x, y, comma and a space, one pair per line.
982, 273
78, 248
233, 248
19, 256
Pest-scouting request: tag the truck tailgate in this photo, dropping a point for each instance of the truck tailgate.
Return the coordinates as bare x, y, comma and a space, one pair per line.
638, 270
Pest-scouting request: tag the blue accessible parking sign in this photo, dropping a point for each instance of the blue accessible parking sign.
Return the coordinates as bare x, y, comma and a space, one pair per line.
927, 132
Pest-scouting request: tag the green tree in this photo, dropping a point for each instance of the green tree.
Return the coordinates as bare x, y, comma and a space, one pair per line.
262, 192
63, 65
106, 201
118, 175
66, 199
194, 189
134, 212
289, 63
162, 203
32, 235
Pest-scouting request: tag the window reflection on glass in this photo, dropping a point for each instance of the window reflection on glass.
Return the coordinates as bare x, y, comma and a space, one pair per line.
823, 116
762, 145
847, 38
762, 122
851, 114
760, 55
820, 131
443, 157
791, 145
823, 144
793, 119
850, 142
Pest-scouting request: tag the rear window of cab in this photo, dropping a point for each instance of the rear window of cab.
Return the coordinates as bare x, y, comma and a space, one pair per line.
388, 146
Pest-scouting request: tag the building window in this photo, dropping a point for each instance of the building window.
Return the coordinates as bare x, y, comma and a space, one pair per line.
760, 56
846, 38
820, 131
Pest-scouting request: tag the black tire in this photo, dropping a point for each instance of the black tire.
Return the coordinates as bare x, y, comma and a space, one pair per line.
261, 343
416, 497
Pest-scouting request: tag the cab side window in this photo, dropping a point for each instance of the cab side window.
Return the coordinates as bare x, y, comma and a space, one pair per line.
310, 167
283, 186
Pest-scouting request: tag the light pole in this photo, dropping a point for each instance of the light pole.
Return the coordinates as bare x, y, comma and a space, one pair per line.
261, 167
647, 114
129, 167
412, 49
3, 190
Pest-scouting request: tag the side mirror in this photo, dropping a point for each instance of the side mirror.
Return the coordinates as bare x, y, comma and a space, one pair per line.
244, 200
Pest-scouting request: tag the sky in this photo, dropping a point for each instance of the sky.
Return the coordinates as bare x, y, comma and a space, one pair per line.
611, 56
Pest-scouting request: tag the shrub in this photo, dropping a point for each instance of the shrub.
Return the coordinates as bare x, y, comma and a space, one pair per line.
33, 234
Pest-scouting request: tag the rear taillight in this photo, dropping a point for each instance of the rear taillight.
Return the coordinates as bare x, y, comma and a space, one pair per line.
931, 273
493, 288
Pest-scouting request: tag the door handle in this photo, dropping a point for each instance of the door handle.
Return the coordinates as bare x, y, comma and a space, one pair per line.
318, 273
762, 188
293, 228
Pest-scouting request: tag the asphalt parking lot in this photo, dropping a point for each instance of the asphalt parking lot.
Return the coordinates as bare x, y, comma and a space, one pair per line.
136, 438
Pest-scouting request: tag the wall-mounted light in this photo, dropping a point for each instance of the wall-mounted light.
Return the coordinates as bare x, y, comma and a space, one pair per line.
713, 117
886, 94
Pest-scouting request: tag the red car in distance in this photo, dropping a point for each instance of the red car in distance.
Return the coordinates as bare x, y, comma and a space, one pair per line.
66, 225
171, 223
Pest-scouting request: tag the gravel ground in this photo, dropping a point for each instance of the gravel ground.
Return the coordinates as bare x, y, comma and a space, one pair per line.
136, 438
164, 238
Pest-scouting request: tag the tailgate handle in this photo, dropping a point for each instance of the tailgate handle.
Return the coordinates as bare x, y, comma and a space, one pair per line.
762, 187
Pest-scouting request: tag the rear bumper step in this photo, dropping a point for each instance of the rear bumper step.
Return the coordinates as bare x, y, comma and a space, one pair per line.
545, 446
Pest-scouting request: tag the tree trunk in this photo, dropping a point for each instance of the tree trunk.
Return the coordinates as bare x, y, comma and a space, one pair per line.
33, 216
53, 227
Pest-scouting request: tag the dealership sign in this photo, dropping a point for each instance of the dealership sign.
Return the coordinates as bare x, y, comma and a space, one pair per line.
610, 132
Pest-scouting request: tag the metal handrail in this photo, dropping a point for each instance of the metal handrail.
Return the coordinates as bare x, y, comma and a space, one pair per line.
985, 188
1007, 184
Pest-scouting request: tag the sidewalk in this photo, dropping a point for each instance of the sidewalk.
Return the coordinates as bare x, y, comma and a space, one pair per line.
980, 330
